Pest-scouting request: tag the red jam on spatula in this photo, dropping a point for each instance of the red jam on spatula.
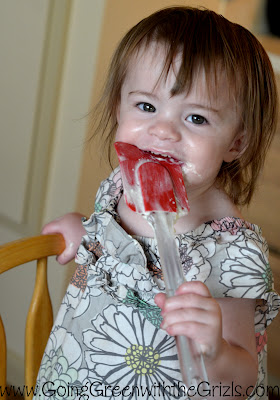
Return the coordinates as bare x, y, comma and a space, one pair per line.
151, 183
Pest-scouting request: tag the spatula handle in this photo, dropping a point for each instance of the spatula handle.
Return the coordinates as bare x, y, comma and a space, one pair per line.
191, 360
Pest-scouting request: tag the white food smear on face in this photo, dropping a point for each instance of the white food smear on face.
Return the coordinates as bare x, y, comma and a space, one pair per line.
189, 168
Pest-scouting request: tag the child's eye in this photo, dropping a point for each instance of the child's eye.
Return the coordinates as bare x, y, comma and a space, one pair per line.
197, 119
146, 107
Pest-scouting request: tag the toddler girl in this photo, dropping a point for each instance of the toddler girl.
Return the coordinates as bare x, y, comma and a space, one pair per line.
189, 84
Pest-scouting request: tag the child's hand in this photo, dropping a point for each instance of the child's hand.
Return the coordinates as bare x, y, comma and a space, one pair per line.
70, 226
193, 312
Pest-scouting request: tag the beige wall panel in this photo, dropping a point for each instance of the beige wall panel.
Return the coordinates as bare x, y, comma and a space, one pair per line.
47, 78
23, 26
31, 41
245, 13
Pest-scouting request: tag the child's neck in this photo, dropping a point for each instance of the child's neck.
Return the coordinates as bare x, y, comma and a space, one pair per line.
214, 204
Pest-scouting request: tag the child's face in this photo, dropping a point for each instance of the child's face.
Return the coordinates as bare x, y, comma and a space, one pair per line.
191, 128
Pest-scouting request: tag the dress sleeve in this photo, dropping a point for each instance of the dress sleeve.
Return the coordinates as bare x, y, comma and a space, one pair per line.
241, 269
109, 188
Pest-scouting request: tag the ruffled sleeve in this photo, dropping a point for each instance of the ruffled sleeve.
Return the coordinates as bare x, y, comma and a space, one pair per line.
115, 261
241, 269
109, 190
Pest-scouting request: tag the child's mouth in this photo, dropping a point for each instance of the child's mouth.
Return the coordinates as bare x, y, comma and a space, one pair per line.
160, 156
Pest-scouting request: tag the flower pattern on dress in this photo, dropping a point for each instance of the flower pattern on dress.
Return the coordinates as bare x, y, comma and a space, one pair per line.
247, 268
151, 312
125, 349
261, 341
195, 262
196, 252
155, 270
109, 189
59, 369
79, 279
107, 328
266, 310
230, 224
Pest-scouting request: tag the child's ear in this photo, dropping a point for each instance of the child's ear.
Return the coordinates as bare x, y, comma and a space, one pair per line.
237, 147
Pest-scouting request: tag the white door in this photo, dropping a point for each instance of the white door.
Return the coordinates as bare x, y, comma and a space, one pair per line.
48, 51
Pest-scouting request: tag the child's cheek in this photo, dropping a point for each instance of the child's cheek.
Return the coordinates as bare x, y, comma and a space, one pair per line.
189, 173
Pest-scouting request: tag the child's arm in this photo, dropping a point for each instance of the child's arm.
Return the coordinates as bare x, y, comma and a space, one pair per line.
70, 226
223, 327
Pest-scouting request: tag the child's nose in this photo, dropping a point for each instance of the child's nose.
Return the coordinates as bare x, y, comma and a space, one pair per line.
165, 130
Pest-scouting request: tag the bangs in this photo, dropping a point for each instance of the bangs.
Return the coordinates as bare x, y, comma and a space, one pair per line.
204, 43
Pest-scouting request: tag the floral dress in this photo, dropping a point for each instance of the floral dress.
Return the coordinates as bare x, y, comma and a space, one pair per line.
106, 341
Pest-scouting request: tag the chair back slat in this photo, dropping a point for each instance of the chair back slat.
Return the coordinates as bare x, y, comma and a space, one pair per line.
37, 321
40, 316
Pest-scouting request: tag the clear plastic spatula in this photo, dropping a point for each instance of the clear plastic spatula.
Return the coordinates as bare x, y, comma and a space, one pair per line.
154, 186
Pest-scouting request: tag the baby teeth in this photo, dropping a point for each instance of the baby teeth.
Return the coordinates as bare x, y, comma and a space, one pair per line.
163, 156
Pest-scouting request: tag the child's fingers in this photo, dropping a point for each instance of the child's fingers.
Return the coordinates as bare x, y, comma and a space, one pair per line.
186, 315
189, 300
199, 325
190, 330
69, 252
160, 300
67, 255
197, 332
50, 228
194, 287
187, 287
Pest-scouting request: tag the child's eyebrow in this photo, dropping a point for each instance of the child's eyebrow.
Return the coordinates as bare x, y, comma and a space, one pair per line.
143, 93
204, 107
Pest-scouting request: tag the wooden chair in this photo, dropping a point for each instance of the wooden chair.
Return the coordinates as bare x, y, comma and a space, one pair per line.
38, 322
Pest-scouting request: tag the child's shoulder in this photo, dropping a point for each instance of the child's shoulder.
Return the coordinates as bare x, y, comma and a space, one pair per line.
219, 205
211, 206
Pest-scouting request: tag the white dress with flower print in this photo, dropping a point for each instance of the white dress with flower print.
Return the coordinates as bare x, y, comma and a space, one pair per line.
107, 343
